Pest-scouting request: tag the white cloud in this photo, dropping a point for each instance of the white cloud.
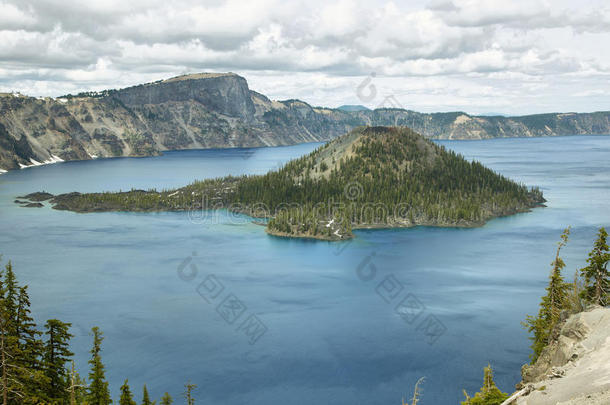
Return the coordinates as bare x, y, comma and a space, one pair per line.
477, 55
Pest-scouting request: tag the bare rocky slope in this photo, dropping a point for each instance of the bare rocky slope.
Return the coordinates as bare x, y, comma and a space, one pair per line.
211, 110
575, 368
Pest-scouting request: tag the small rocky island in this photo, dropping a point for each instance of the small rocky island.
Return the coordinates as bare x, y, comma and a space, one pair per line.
371, 177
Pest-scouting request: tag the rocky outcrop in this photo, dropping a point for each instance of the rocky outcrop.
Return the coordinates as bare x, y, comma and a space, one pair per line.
575, 368
210, 110
225, 94
186, 112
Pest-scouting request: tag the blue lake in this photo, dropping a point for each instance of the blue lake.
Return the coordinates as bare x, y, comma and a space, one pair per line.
333, 334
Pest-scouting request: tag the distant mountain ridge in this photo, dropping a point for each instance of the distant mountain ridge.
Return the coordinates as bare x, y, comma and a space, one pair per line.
218, 110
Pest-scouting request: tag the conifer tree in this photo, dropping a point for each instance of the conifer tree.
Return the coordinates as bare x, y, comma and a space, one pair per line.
145, 397
489, 393
551, 305
98, 389
56, 355
29, 352
22, 380
166, 399
596, 274
6, 358
126, 397
188, 394
12, 388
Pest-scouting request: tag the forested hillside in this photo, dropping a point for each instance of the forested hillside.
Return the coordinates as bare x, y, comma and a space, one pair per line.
370, 177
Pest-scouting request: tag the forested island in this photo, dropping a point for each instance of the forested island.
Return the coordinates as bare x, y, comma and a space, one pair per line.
371, 177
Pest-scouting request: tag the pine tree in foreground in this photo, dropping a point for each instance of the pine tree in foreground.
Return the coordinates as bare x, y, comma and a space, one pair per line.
98, 389
596, 274
29, 353
56, 355
12, 388
489, 393
22, 377
126, 397
555, 301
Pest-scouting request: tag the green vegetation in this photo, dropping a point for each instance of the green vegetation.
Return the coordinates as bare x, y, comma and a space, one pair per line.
489, 393
33, 364
166, 399
98, 388
596, 274
569, 298
561, 300
141, 143
24, 372
145, 396
370, 177
126, 397
555, 301
384, 177
188, 393
56, 356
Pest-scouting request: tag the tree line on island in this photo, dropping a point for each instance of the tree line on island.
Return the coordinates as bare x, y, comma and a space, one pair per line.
370, 177
36, 367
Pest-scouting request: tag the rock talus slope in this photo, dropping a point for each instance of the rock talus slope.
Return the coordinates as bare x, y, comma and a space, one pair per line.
574, 370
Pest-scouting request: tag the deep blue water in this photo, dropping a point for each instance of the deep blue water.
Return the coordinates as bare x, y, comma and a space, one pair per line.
331, 336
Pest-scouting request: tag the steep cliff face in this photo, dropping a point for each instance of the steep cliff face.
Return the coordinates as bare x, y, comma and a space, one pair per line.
225, 94
187, 112
210, 110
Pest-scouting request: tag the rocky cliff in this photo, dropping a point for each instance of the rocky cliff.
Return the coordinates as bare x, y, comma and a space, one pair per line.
212, 110
575, 368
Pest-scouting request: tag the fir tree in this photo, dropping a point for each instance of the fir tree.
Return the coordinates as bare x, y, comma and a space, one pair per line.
56, 354
166, 399
29, 352
145, 397
12, 387
6, 356
22, 379
551, 305
489, 393
126, 397
98, 389
596, 274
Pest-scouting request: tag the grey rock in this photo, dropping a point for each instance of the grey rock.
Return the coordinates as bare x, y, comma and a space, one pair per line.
573, 369
212, 110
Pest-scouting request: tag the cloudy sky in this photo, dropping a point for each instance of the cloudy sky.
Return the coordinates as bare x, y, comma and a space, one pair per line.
480, 56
